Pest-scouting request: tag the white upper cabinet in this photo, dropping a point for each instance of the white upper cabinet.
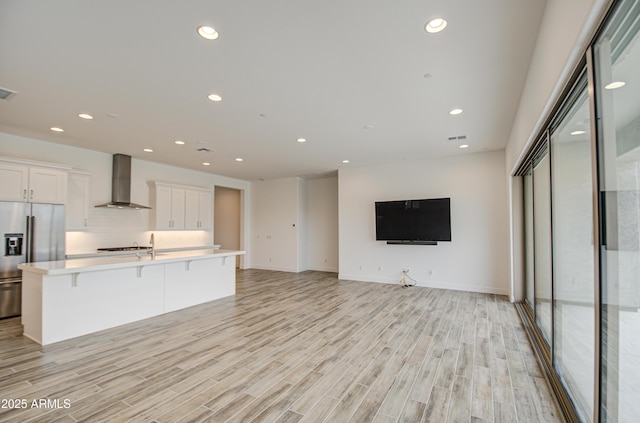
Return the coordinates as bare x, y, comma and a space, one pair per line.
77, 207
32, 184
15, 182
168, 206
47, 186
205, 209
198, 210
180, 207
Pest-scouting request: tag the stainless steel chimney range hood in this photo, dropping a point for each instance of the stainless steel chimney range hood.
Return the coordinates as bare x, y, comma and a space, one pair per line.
121, 185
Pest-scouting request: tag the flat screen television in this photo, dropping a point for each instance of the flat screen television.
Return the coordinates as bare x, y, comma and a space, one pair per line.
414, 221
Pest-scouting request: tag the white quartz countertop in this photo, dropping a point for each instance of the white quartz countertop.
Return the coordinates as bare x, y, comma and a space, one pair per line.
133, 252
62, 267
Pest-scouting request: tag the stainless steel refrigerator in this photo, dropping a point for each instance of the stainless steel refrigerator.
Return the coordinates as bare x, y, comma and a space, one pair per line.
30, 232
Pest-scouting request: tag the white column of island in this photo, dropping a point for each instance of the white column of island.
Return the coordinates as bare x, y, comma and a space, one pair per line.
69, 298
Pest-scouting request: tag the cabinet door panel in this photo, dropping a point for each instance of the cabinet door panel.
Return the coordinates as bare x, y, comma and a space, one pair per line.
47, 186
205, 209
77, 208
163, 207
177, 208
191, 210
15, 182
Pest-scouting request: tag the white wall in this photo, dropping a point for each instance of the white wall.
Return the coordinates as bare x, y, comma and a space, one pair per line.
274, 232
565, 32
226, 226
302, 226
322, 245
112, 227
477, 257
309, 204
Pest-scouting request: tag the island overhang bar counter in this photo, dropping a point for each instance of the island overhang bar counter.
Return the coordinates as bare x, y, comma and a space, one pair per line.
69, 298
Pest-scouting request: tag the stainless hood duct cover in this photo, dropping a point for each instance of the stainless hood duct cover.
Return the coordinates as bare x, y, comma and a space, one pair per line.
121, 184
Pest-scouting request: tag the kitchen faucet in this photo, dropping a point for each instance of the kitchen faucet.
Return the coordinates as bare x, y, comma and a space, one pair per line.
153, 247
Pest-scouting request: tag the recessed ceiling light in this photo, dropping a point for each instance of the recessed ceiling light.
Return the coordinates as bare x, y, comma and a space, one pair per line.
455, 111
208, 32
614, 85
301, 140
214, 97
148, 150
435, 25
206, 164
464, 146
179, 142
85, 116
578, 132
345, 161
56, 129
239, 159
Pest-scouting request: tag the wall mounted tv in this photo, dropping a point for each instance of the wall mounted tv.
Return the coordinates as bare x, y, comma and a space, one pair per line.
418, 222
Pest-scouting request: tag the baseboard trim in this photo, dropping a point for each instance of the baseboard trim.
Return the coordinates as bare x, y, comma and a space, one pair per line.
437, 285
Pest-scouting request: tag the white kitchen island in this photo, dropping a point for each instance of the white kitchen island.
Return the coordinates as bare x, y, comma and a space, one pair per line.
69, 298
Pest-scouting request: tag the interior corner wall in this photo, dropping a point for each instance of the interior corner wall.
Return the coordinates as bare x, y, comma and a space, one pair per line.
477, 257
309, 204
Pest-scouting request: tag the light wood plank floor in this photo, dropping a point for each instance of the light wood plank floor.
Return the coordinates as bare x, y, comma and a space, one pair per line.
290, 348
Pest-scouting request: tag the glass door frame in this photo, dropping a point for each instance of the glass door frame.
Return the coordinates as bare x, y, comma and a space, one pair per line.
596, 206
527, 312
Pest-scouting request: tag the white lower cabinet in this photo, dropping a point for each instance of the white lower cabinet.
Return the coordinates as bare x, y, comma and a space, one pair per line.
80, 301
58, 307
188, 284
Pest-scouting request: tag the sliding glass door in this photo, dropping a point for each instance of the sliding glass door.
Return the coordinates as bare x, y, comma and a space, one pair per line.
617, 83
573, 249
581, 210
542, 243
529, 239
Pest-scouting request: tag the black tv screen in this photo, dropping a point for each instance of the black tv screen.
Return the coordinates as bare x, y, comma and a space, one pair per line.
414, 220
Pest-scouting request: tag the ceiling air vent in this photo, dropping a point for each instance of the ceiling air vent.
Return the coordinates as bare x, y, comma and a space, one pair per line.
457, 138
204, 150
6, 94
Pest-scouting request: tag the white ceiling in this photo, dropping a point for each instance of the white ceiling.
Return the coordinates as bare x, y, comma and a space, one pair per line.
349, 76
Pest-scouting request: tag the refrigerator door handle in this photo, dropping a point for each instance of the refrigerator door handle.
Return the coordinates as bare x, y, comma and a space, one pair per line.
30, 243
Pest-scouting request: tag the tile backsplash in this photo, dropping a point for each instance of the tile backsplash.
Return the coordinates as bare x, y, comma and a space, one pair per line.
123, 227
